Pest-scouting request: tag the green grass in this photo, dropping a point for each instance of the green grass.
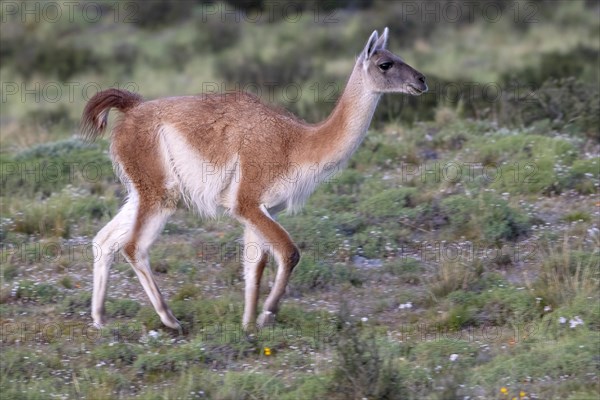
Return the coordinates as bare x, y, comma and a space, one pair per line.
571, 357
352, 216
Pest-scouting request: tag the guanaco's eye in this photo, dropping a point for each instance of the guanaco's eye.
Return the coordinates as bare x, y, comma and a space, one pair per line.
385, 66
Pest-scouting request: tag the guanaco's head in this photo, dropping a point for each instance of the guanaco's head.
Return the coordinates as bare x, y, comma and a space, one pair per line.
385, 72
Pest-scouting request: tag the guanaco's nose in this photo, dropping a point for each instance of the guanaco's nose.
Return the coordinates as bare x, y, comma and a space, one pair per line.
421, 78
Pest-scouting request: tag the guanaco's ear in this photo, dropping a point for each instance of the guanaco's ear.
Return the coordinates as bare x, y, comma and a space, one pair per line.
381, 43
368, 50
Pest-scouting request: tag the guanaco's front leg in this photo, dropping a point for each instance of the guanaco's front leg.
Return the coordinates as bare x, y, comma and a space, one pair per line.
285, 252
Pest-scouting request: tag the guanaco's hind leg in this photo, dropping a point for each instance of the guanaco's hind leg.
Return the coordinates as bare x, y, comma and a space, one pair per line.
110, 239
255, 258
149, 223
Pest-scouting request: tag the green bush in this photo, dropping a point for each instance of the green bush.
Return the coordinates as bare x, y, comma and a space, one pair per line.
66, 282
243, 385
405, 266
577, 62
577, 216
363, 368
53, 59
553, 328
432, 353
9, 271
380, 240
76, 303
523, 163
47, 168
216, 35
43, 292
314, 232
119, 354
583, 176
488, 216
502, 221
491, 301
57, 215
158, 14
308, 387
188, 291
567, 104
55, 117
310, 274
26, 365
171, 360
562, 88
566, 274
248, 66
390, 203
458, 210
122, 308
571, 104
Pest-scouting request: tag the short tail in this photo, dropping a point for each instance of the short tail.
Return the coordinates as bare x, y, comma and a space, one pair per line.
95, 114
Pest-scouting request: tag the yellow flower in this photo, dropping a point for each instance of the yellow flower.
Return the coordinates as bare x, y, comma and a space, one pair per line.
514, 398
522, 394
267, 351
504, 390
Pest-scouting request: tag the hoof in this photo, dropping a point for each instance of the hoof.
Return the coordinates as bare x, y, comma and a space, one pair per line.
172, 323
267, 318
250, 329
99, 322
251, 337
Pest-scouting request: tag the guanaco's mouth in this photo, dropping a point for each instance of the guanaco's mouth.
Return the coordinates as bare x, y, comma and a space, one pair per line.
415, 91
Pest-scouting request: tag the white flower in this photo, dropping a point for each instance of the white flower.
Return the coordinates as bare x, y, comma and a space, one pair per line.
453, 357
562, 320
573, 322
153, 334
364, 319
547, 309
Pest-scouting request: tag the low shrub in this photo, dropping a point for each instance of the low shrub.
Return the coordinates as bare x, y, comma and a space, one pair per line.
493, 220
173, 360
122, 308
363, 368
120, 354
41, 292
390, 203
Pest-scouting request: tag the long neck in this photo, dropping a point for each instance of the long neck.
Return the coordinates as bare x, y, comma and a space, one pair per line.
336, 138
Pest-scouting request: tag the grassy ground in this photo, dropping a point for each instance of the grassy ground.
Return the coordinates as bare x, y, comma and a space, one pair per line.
456, 257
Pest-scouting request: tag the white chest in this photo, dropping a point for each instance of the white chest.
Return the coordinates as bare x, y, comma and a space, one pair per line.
291, 189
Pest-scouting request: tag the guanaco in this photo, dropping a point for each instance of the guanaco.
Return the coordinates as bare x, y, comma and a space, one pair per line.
231, 154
